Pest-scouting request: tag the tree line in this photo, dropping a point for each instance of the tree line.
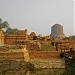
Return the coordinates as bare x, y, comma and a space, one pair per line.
4, 25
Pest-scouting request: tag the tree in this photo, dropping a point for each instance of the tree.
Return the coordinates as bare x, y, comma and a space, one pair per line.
11, 31
3, 24
8, 30
70, 68
0, 20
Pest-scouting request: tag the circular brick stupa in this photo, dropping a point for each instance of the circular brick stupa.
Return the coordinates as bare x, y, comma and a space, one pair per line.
57, 31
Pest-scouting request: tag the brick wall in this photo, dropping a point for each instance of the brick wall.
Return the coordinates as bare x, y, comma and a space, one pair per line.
44, 55
72, 44
11, 55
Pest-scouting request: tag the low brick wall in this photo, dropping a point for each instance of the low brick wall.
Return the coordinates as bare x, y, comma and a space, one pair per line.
12, 56
46, 59
44, 54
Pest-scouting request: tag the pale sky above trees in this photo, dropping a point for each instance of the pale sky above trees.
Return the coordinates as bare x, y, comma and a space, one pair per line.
38, 15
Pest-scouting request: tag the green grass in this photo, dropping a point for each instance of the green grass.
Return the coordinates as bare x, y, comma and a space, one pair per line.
47, 47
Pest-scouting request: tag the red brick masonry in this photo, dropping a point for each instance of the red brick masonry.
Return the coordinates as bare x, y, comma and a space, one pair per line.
44, 55
12, 56
32, 55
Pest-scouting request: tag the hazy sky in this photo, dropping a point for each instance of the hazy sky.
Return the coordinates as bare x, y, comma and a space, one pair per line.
38, 15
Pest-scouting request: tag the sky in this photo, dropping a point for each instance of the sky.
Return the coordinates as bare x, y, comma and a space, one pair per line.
38, 15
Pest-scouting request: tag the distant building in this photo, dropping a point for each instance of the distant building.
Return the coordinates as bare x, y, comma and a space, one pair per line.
11, 38
32, 36
57, 31
21, 35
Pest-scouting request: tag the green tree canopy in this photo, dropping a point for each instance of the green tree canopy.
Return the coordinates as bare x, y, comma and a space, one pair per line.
70, 69
11, 31
0, 20
3, 24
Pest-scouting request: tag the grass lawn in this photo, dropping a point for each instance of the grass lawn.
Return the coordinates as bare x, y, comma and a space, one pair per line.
47, 47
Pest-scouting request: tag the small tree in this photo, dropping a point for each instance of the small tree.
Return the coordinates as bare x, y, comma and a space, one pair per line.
3, 24
70, 69
11, 31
